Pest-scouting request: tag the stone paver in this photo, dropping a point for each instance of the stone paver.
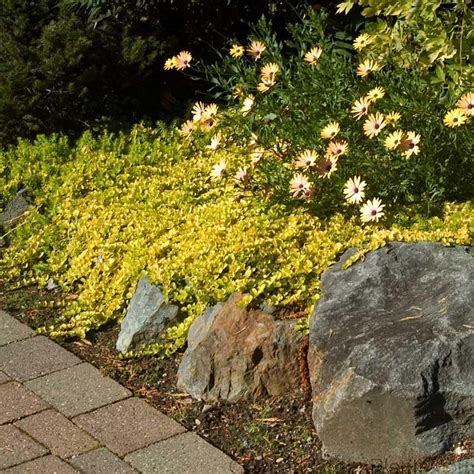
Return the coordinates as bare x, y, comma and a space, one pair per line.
16, 402
44, 465
101, 461
4, 377
34, 357
12, 330
61, 415
17, 447
128, 425
183, 454
61, 436
78, 389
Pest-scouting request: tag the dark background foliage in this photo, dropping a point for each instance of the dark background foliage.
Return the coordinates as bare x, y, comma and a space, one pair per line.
73, 64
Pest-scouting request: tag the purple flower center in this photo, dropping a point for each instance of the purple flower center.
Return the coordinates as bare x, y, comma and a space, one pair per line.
374, 212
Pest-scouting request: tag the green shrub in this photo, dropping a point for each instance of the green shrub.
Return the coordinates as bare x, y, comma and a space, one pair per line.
288, 115
113, 207
426, 32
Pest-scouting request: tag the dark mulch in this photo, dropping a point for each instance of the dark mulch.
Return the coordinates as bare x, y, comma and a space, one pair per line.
273, 435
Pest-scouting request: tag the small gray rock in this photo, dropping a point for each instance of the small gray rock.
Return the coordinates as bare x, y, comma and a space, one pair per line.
391, 354
147, 317
51, 284
14, 210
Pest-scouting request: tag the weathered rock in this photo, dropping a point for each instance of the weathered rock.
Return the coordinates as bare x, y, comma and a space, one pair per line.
147, 317
391, 354
461, 467
14, 209
234, 353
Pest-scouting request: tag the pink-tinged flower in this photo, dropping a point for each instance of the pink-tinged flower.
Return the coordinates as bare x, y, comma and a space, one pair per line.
374, 124
466, 103
372, 210
299, 185
360, 108
219, 170
256, 49
337, 149
186, 129
326, 166
306, 160
183, 60
242, 176
354, 190
410, 144
330, 130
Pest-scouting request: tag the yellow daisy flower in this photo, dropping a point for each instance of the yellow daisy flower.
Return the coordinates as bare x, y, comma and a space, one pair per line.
330, 130
455, 118
360, 108
337, 149
313, 55
374, 124
237, 51
209, 116
362, 41
269, 72
368, 66
237, 91
375, 94
394, 140
170, 63
186, 129
409, 144
248, 104
466, 103
183, 60
256, 49
392, 118
306, 160
264, 86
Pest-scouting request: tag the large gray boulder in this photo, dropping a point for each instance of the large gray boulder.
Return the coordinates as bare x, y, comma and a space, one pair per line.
462, 467
147, 317
391, 353
234, 353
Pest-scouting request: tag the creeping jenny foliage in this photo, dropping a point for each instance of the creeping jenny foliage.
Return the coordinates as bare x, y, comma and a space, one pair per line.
109, 208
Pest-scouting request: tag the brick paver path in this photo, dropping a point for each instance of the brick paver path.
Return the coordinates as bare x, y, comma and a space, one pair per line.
61, 415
